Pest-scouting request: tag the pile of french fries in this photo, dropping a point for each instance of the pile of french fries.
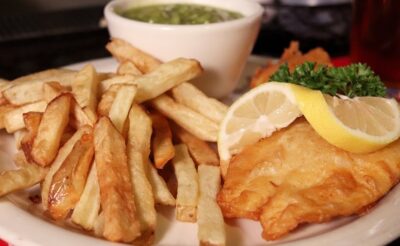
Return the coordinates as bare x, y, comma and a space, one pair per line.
96, 142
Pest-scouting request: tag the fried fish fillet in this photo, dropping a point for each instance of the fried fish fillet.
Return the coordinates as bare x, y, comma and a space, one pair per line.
293, 57
296, 177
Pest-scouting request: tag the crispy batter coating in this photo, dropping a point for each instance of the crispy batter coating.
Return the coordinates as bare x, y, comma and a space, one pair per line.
293, 57
296, 177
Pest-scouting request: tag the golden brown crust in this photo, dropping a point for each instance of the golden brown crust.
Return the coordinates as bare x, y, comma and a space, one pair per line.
293, 57
296, 177
117, 201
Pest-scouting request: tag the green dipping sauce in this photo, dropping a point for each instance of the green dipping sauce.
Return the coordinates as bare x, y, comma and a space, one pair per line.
180, 14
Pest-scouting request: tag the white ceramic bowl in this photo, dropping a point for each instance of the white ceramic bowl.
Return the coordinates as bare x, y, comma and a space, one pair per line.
222, 48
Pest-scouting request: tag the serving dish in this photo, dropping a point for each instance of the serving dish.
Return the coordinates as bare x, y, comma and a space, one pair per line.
23, 223
217, 46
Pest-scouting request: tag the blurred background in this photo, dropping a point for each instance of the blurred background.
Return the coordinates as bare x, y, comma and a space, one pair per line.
39, 34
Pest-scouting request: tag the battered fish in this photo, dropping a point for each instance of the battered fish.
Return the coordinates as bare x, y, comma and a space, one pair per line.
293, 57
296, 177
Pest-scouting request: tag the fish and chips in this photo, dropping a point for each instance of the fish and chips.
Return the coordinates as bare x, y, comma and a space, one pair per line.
109, 149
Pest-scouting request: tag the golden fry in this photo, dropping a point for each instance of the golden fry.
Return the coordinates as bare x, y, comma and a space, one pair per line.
52, 126
25, 177
162, 146
128, 67
188, 119
128, 79
121, 105
139, 137
107, 100
84, 87
29, 89
211, 229
32, 122
162, 195
80, 117
64, 76
14, 120
188, 95
69, 180
4, 109
87, 209
4, 84
98, 227
188, 186
117, 199
165, 77
200, 151
52, 90
18, 136
63, 153
124, 51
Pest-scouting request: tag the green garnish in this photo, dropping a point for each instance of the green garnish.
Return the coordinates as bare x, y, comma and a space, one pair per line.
353, 80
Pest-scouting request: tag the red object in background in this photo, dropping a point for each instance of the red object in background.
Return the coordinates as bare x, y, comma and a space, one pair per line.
2, 243
375, 37
341, 61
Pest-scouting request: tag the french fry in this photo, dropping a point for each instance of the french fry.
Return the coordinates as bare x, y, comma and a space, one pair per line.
165, 77
200, 151
69, 180
124, 51
107, 100
18, 136
162, 195
84, 87
87, 209
14, 120
4, 109
3, 84
3, 100
20, 160
80, 117
32, 122
188, 119
25, 177
63, 152
53, 123
52, 90
98, 228
121, 105
67, 134
128, 79
92, 116
211, 226
162, 146
188, 186
138, 152
128, 67
188, 95
29, 89
24, 93
117, 199
64, 76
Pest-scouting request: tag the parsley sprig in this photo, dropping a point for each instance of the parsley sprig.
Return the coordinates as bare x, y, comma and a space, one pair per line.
354, 80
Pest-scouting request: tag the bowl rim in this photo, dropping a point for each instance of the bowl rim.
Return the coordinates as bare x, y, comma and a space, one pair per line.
109, 13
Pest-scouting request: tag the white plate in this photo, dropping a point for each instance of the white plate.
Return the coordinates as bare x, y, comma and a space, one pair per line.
23, 224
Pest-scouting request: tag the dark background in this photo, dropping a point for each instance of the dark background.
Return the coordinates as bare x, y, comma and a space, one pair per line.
40, 34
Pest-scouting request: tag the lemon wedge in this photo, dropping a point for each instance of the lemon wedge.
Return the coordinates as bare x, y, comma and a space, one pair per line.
255, 115
358, 125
